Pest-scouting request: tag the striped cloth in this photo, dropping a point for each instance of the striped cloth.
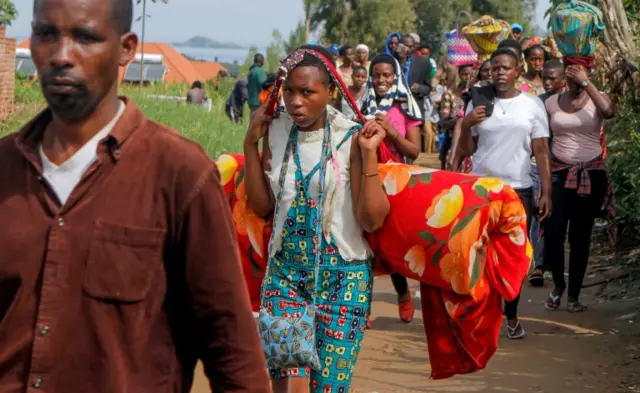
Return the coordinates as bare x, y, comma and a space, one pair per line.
398, 93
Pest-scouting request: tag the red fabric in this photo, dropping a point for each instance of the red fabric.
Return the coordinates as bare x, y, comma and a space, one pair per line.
585, 61
463, 237
603, 142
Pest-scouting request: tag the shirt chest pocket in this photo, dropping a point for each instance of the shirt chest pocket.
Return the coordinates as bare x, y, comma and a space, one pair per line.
122, 262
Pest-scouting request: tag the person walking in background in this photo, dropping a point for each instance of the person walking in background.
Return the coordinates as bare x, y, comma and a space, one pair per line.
121, 268
554, 83
197, 95
234, 107
358, 91
516, 31
319, 261
426, 52
581, 186
391, 44
419, 80
501, 142
535, 56
346, 64
392, 105
255, 79
334, 50
362, 56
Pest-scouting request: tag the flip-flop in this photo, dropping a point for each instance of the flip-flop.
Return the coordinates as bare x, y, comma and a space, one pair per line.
574, 307
553, 302
536, 278
515, 333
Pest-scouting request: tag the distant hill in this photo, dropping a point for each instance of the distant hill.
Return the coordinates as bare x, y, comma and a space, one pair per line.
204, 42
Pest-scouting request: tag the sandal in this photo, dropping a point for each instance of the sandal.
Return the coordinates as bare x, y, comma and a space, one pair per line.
575, 306
515, 333
553, 301
406, 310
536, 278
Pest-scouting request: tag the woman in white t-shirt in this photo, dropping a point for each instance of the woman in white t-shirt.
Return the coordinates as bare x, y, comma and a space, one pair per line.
501, 141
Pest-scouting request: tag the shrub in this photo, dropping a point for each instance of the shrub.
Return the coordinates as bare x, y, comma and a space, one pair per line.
623, 139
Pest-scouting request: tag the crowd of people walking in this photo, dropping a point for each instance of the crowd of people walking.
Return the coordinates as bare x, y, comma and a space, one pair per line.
120, 269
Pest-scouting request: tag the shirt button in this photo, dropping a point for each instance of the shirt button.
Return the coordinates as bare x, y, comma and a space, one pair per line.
45, 330
37, 382
60, 222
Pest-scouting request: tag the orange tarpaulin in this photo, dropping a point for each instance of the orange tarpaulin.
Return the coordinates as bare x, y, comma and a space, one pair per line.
462, 237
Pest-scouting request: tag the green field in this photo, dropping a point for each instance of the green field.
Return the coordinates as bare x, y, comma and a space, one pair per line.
212, 130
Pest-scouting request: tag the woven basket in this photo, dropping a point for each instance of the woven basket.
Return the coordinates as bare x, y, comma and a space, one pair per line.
485, 34
459, 51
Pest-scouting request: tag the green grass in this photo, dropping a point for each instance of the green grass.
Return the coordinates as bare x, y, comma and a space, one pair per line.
212, 130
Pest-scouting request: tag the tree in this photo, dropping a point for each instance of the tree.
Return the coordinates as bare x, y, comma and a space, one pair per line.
275, 52
8, 12
144, 18
309, 9
363, 21
297, 38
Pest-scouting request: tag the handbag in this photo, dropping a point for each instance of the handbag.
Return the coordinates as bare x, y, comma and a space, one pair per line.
459, 51
291, 342
485, 34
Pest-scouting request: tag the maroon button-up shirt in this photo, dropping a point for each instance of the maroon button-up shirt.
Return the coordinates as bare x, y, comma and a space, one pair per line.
136, 277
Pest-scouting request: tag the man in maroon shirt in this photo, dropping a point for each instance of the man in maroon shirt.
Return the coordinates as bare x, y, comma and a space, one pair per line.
118, 262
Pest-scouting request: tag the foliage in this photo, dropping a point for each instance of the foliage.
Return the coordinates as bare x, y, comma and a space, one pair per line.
296, 39
212, 130
624, 160
8, 12
363, 21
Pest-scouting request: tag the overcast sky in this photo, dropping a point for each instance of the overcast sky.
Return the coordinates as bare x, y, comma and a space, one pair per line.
246, 22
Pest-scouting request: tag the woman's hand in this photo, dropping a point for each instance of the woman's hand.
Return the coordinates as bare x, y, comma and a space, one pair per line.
381, 119
476, 116
577, 74
371, 136
258, 126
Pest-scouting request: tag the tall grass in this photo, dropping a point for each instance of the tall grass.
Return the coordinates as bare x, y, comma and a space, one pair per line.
212, 130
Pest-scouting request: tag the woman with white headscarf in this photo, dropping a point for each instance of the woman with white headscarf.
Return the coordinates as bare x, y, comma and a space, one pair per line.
362, 56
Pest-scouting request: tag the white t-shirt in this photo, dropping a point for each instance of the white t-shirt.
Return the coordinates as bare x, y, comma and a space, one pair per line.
504, 139
64, 178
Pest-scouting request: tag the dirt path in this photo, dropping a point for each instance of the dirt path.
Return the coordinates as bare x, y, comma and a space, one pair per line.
568, 353
596, 351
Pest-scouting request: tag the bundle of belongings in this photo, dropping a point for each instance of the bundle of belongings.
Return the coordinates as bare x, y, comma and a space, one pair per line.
462, 237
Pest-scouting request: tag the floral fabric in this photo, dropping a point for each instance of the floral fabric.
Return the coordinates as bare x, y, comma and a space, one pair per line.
463, 237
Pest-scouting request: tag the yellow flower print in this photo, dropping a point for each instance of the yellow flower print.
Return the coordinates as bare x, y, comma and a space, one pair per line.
445, 207
227, 166
490, 184
395, 177
415, 258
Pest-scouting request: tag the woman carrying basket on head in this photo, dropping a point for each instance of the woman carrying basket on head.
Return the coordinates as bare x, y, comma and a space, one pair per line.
322, 186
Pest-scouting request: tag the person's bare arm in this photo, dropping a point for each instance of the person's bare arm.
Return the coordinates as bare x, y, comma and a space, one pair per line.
225, 334
605, 107
458, 153
370, 203
259, 193
541, 152
409, 145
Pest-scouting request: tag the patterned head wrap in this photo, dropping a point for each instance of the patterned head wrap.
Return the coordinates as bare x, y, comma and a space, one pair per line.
398, 93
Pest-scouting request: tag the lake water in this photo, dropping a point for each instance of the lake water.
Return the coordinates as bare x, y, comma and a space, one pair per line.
217, 54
